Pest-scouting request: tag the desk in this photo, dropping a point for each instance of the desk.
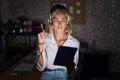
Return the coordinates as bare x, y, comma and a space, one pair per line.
19, 43
27, 73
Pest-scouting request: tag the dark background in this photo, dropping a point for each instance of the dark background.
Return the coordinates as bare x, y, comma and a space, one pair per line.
96, 24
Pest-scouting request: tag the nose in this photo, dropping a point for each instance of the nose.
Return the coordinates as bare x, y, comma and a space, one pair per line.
59, 22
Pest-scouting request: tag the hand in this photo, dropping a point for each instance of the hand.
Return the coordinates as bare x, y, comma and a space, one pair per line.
41, 39
70, 65
41, 35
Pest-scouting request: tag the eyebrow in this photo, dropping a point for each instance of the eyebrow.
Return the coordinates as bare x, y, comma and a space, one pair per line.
57, 18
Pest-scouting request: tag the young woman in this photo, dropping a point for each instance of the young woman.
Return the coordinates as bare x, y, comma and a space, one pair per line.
48, 43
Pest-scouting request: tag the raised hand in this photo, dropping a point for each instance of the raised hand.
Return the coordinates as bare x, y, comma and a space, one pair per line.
41, 35
41, 38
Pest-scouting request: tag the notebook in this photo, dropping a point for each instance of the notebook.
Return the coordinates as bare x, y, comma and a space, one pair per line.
63, 53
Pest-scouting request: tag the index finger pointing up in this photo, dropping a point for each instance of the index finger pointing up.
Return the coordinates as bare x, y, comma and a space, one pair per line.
42, 27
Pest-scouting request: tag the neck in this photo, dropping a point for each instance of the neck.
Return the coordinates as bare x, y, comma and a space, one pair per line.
59, 35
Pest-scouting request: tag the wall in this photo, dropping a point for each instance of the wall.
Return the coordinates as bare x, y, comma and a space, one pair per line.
33, 9
103, 18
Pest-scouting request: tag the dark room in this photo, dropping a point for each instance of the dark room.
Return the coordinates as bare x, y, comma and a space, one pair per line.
26, 26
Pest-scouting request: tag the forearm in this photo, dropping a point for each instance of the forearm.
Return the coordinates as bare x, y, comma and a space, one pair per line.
39, 55
40, 60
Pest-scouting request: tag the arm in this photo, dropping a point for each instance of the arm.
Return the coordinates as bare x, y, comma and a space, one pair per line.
40, 59
76, 59
39, 55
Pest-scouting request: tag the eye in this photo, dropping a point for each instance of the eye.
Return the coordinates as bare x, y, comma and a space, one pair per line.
55, 20
64, 20
59, 21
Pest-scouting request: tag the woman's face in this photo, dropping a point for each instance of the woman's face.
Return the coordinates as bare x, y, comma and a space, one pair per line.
59, 21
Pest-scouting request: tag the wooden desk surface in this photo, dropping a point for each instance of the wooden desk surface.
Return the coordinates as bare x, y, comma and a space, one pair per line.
13, 74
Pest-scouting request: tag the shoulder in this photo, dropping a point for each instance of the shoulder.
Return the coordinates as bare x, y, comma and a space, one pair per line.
73, 39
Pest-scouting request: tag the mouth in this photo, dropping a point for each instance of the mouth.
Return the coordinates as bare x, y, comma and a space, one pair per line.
60, 28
